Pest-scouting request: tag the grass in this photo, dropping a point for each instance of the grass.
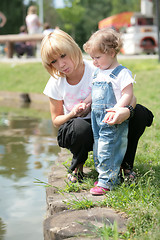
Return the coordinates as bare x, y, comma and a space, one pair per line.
24, 77
140, 200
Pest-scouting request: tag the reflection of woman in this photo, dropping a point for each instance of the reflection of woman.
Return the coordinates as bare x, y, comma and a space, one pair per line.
2, 19
69, 85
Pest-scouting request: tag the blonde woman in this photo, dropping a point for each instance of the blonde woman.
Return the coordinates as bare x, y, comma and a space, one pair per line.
68, 87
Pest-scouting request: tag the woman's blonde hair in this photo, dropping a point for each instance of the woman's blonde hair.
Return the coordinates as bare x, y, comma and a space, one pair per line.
103, 41
56, 44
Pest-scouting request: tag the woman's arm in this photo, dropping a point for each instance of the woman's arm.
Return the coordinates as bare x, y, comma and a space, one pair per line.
57, 113
121, 113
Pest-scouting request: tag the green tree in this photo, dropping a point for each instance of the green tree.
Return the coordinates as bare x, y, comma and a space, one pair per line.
119, 6
50, 14
93, 12
71, 15
14, 12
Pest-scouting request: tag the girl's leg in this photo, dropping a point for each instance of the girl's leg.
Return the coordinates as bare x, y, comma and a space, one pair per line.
111, 149
137, 124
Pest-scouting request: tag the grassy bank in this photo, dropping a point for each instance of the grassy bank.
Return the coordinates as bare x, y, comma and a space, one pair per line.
24, 77
139, 200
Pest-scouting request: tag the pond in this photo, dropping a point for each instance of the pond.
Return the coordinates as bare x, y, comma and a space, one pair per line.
28, 149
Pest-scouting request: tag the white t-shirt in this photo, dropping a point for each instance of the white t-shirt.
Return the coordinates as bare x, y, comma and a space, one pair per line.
32, 22
48, 31
60, 89
123, 79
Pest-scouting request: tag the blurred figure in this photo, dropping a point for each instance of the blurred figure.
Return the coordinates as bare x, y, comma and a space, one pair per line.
2, 19
32, 20
22, 48
47, 28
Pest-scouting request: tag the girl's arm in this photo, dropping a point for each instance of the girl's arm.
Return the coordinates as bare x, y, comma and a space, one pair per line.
86, 105
88, 99
127, 95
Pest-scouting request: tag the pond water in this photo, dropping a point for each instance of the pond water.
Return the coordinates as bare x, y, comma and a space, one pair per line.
28, 149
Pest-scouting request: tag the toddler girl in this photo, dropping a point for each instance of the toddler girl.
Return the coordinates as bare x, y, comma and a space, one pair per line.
112, 87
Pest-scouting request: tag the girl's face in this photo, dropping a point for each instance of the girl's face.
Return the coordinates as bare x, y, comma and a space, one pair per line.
63, 64
102, 60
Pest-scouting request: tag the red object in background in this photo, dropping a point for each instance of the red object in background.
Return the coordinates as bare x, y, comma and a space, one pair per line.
117, 21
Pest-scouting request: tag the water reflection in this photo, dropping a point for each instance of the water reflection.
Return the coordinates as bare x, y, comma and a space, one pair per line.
28, 148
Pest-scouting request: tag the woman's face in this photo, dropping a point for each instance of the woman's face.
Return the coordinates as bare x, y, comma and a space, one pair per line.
63, 64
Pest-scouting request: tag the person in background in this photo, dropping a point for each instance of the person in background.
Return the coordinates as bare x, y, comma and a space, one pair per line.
32, 20
69, 85
3, 20
47, 28
22, 48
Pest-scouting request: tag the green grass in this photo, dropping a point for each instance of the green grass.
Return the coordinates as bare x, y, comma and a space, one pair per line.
24, 77
139, 200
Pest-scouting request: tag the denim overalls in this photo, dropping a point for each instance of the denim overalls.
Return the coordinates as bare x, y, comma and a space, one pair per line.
110, 142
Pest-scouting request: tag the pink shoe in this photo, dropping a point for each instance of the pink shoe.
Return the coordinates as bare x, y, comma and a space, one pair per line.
95, 184
98, 191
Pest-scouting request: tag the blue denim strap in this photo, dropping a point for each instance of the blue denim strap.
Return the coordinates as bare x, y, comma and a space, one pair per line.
95, 73
116, 71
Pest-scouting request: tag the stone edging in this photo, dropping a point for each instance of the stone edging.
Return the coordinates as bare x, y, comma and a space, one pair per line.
62, 223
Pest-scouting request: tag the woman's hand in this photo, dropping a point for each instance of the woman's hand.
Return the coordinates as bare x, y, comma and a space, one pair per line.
120, 115
109, 117
81, 109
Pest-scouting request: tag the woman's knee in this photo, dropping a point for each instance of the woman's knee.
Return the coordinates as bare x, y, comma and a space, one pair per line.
75, 131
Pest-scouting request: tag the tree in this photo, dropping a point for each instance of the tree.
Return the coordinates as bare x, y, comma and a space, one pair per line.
14, 12
93, 11
71, 15
119, 6
50, 14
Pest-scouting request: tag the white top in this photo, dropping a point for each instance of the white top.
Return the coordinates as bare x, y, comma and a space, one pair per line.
48, 31
32, 22
123, 79
60, 89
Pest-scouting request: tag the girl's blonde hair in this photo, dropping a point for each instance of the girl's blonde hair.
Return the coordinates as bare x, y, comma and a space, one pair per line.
56, 44
103, 41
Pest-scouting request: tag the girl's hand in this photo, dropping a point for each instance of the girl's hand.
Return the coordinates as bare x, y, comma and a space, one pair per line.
86, 110
78, 109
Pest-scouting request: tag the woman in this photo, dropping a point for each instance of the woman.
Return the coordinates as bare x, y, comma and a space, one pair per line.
32, 20
68, 87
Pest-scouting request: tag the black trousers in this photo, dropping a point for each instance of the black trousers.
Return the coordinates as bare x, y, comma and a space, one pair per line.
142, 118
76, 135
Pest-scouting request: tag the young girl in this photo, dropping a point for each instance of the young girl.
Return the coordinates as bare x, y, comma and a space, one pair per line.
112, 87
